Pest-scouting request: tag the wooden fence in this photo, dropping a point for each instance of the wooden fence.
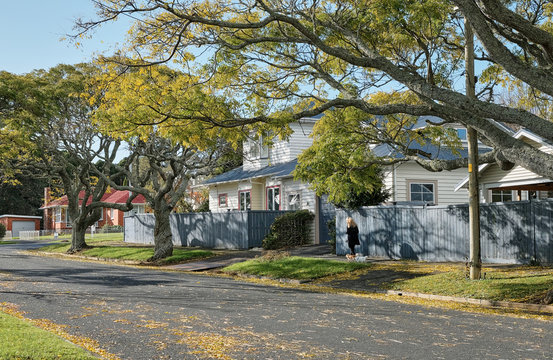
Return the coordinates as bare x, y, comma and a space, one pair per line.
225, 230
514, 232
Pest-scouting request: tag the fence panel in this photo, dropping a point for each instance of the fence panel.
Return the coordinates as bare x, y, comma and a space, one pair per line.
225, 230
543, 231
514, 232
258, 225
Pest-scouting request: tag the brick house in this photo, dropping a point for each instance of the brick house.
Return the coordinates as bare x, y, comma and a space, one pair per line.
56, 216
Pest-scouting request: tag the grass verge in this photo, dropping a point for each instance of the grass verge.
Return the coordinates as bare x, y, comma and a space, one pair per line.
503, 283
21, 340
131, 253
293, 267
6, 242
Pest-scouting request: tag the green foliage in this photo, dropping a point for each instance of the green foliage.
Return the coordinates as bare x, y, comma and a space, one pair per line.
2, 231
366, 198
288, 230
23, 197
340, 162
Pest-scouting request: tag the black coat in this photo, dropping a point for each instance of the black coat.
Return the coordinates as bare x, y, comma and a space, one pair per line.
353, 236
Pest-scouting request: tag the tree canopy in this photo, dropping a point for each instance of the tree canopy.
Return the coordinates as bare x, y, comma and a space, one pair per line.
283, 60
46, 129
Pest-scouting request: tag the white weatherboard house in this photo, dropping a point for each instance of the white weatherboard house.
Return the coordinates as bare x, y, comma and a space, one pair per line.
265, 180
517, 184
409, 182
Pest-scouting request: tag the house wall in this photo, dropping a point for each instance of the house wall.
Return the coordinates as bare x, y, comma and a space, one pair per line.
300, 139
231, 190
282, 150
445, 180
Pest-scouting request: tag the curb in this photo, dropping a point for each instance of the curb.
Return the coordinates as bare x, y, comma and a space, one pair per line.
483, 303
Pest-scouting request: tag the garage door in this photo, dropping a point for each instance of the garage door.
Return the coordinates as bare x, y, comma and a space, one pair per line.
18, 226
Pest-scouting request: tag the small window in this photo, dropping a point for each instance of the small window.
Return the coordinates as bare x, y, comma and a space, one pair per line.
502, 195
462, 134
294, 201
57, 215
273, 198
258, 149
245, 200
422, 192
223, 200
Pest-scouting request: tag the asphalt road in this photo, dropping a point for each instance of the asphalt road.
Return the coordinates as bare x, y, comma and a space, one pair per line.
148, 314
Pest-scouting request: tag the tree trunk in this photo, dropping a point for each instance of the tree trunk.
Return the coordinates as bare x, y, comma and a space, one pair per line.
78, 242
163, 239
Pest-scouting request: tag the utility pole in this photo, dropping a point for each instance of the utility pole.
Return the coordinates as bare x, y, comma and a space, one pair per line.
474, 201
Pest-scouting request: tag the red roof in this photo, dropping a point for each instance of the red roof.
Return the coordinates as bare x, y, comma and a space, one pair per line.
111, 196
121, 196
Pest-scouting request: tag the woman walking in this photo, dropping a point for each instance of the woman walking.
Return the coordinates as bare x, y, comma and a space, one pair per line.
353, 235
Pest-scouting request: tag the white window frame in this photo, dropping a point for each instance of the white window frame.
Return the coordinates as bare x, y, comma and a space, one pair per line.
247, 194
57, 215
294, 197
275, 199
423, 182
222, 196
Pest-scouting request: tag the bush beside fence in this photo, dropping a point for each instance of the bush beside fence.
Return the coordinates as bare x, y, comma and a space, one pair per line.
514, 232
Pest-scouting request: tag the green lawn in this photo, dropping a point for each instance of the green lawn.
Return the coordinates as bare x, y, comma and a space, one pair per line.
520, 284
21, 340
294, 267
6, 242
132, 253
90, 238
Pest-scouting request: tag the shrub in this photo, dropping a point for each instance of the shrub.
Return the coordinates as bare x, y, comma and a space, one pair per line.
289, 230
2, 231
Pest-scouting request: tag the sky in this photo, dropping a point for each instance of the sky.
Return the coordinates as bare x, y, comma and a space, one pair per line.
31, 31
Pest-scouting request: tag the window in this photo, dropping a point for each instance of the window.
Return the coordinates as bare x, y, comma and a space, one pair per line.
422, 192
245, 200
462, 134
258, 150
294, 201
57, 215
223, 200
502, 195
273, 198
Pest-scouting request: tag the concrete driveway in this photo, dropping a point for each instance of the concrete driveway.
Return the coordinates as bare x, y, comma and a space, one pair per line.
138, 314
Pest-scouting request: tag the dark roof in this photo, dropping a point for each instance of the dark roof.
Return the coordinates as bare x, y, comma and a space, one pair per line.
436, 152
277, 170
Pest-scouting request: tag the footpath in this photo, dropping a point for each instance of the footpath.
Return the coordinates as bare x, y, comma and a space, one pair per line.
366, 283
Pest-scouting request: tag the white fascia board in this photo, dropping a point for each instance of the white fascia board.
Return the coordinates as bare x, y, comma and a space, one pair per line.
465, 181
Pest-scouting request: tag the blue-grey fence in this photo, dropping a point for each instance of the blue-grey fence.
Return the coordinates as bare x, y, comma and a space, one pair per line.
225, 230
514, 232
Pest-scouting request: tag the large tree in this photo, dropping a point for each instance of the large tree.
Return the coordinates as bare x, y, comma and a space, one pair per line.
165, 119
46, 129
397, 59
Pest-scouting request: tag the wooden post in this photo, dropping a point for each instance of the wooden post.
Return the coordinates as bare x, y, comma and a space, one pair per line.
472, 139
